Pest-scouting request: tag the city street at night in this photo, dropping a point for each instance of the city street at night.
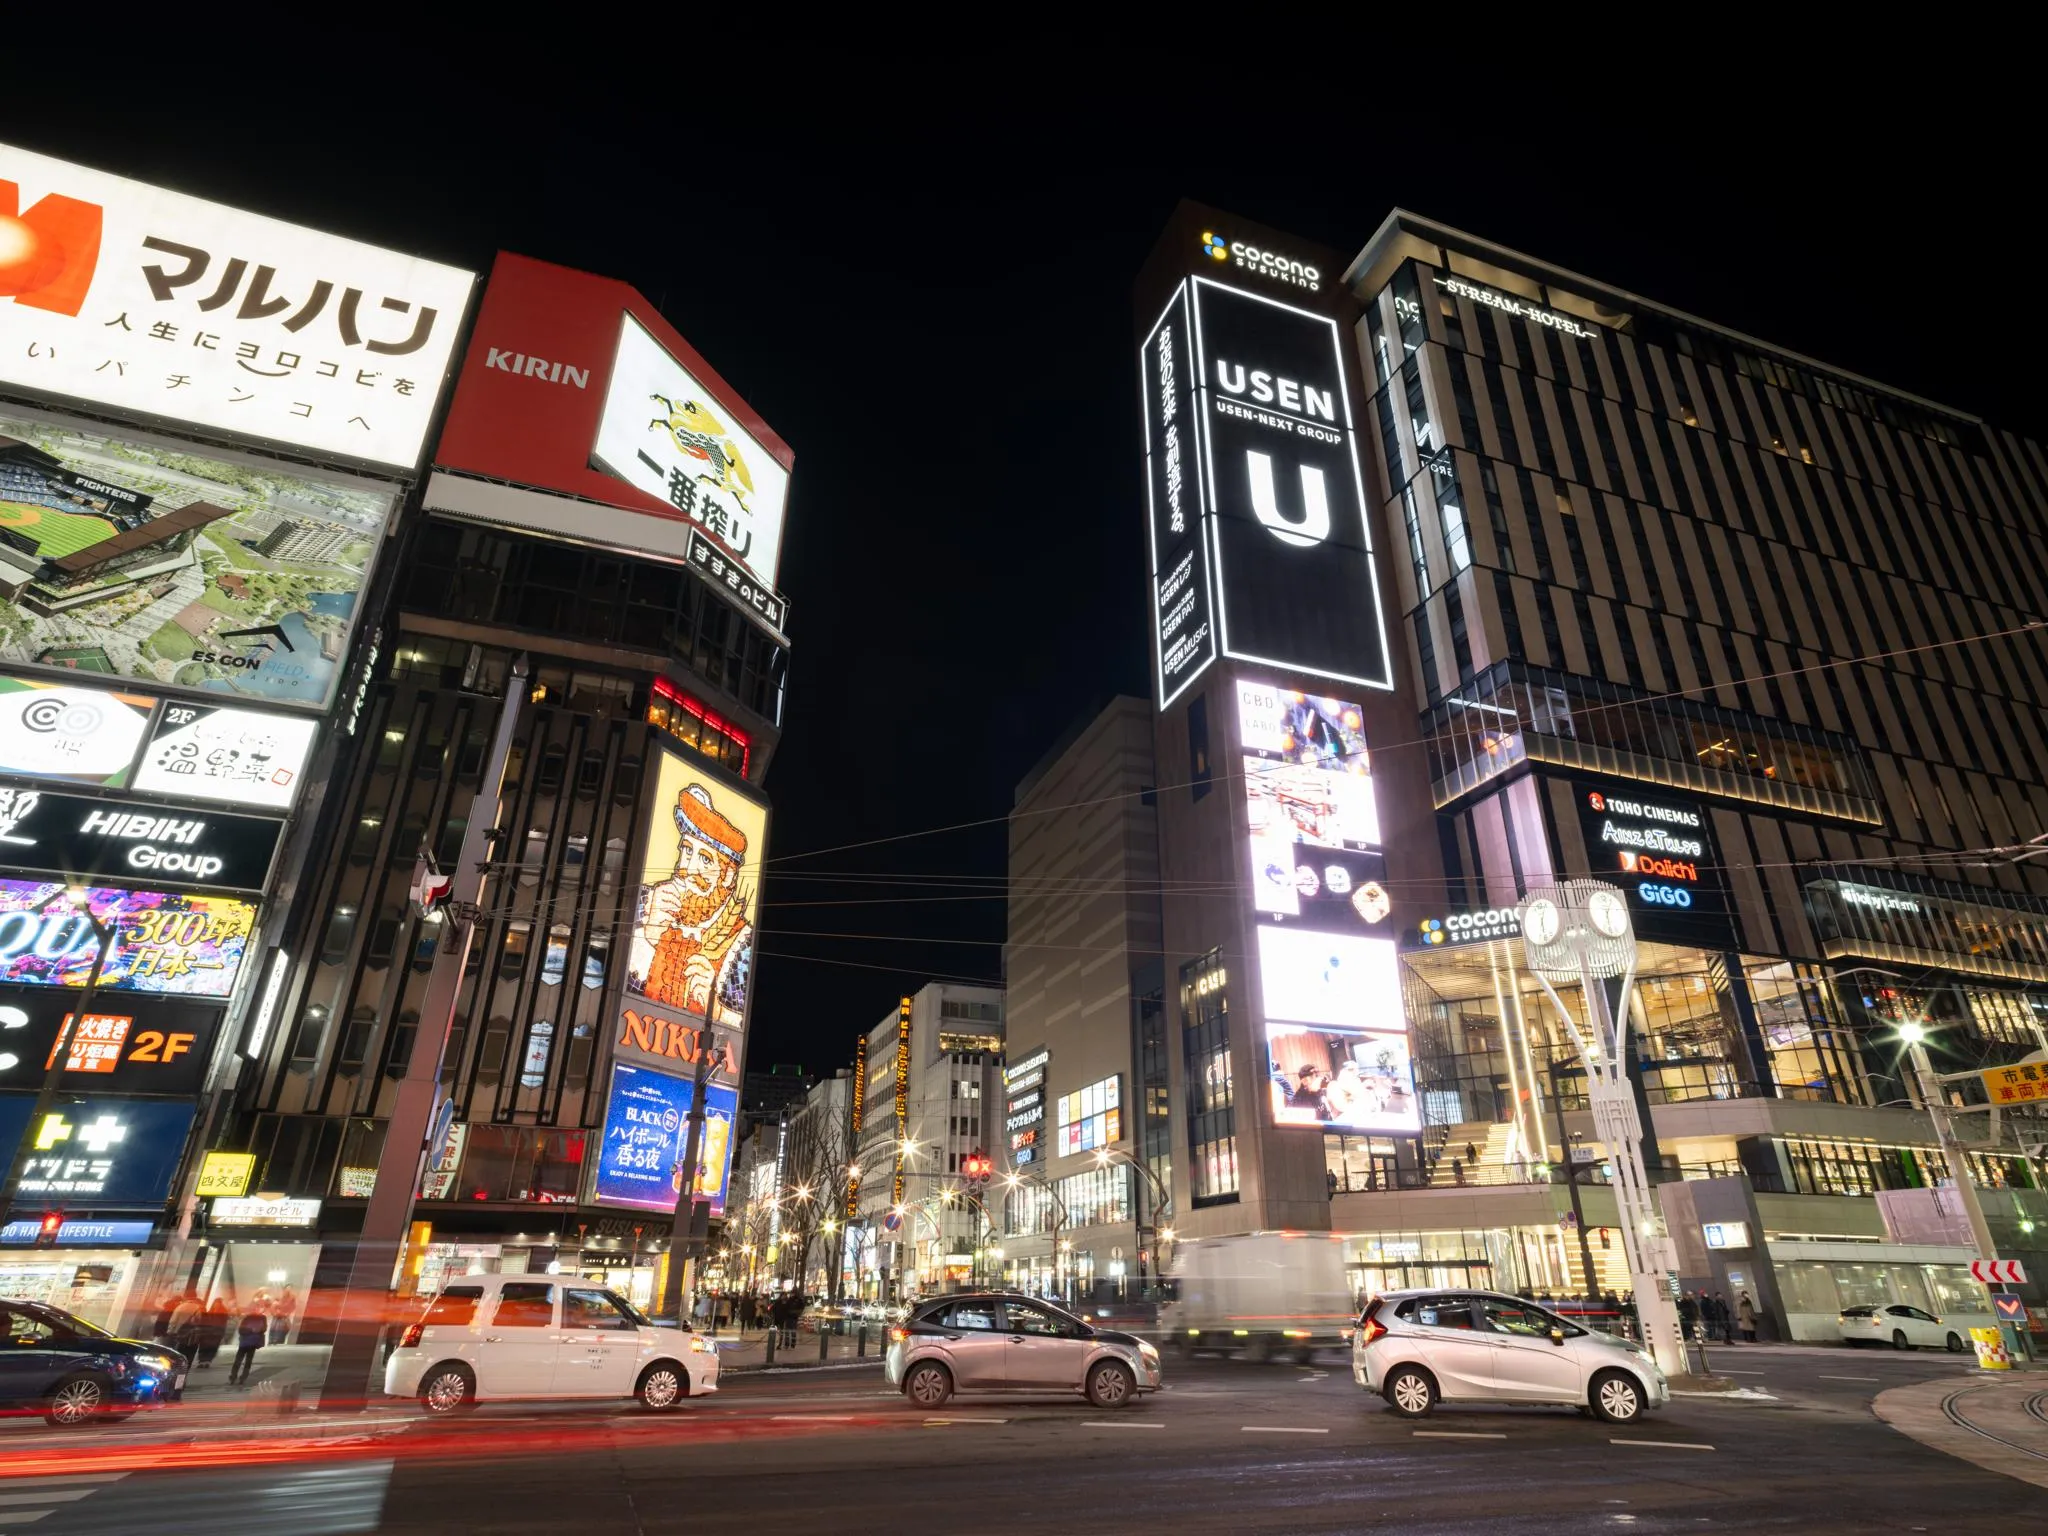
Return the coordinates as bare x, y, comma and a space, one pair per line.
1228, 1447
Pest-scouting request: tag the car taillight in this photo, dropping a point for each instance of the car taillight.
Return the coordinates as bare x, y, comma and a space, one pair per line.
1373, 1331
411, 1337
898, 1335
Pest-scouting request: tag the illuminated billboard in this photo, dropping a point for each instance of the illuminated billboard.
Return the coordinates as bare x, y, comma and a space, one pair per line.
1309, 800
1659, 849
58, 730
1091, 1117
1342, 1080
140, 561
135, 1045
127, 839
646, 1137
692, 947
234, 756
143, 301
1259, 525
118, 1152
664, 433
164, 941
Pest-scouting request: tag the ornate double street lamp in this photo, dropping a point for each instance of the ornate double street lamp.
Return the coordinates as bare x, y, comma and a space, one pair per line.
1580, 932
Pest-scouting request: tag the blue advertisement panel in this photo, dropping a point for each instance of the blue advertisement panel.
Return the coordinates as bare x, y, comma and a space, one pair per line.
96, 1152
646, 1126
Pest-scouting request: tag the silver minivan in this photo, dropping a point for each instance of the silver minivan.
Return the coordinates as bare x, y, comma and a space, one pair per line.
1419, 1348
995, 1342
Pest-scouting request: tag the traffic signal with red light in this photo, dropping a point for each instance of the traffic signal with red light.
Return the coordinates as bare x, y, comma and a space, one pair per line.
46, 1233
978, 1166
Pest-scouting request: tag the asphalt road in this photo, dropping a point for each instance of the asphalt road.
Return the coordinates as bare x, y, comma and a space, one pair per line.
1228, 1447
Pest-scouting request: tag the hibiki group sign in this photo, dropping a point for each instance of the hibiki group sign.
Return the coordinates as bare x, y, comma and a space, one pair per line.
141, 300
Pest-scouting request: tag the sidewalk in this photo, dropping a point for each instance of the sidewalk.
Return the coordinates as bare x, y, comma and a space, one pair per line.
750, 1352
1992, 1419
279, 1373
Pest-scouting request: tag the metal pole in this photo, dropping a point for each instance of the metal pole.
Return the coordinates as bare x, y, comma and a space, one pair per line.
1944, 1137
53, 1074
682, 1241
387, 1216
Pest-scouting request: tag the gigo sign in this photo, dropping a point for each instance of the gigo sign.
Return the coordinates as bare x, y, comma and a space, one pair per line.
141, 300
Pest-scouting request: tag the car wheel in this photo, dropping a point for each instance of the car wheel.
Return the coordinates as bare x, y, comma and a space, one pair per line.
1899, 1339
1955, 1343
76, 1402
1111, 1384
447, 1389
1617, 1397
1410, 1392
928, 1384
662, 1385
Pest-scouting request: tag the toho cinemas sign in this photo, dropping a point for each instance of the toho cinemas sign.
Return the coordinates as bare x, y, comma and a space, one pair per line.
672, 1041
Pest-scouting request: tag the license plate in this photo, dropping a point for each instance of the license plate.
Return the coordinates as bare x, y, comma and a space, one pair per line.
178, 1383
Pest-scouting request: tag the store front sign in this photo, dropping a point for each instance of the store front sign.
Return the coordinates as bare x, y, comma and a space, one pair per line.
225, 1174
265, 1211
646, 1126
105, 1151
129, 1045
1726, 1234
64, 731
1471, 927
1519, 308
234, 756
83, 1234
1659, 851
78, 835
672, 1040
358, 1183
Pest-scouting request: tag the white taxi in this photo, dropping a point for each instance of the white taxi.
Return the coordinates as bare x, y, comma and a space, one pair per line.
486, 1337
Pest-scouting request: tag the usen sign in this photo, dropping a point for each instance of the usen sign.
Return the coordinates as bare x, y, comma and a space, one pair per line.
142, 300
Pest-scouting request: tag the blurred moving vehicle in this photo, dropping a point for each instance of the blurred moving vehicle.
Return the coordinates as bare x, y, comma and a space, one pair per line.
1260, 1295
1905, 1327
1419, 1348
486, 1337
74, 1373
999, 1342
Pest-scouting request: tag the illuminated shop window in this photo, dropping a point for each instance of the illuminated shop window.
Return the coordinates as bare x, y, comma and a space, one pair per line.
697, 727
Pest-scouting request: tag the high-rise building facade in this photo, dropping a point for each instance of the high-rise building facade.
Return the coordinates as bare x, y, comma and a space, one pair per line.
1083, 1149
1750, 637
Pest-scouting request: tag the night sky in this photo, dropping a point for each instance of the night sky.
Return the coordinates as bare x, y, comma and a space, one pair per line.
928, 296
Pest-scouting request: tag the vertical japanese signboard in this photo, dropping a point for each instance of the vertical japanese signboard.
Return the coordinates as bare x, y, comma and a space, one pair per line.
1183, 604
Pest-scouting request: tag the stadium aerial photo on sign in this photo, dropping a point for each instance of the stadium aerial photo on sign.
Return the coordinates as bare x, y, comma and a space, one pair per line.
131, 559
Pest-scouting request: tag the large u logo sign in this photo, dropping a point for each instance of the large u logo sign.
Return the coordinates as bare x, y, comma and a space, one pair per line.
1314, 526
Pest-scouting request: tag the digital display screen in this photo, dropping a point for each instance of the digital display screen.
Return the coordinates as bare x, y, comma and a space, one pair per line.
1342, 1080
1309, 803
1334, 979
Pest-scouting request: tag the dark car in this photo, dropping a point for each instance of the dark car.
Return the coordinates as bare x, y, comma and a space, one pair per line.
74, 1373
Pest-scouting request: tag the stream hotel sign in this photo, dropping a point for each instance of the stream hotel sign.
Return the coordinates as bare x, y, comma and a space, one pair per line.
151, 304
1258, 527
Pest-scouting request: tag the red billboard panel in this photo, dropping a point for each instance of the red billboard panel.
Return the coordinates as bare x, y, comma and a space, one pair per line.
530, 402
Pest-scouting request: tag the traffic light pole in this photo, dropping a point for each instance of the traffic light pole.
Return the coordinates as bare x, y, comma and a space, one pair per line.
53, 1074
387, 1215
682, 1237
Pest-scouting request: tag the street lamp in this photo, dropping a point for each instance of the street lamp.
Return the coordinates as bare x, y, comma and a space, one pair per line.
1580, 931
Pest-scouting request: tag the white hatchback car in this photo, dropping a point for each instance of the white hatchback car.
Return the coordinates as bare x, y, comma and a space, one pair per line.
1905, 1327
1419, 1348
503, 1336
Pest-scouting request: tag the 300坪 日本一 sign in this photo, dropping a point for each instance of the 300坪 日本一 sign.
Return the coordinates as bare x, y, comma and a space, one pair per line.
170, 942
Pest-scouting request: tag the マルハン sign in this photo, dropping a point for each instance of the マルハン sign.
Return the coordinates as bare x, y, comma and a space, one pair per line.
66, 834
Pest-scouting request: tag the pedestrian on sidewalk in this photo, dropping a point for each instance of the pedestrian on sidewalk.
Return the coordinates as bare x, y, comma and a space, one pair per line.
250, 1336
208, 1331
1745, 1313
160, 1330
1689, 1312
184, 1332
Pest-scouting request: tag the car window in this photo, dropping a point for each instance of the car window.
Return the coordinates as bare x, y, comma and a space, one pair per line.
970, 1317
525, 1304
1512, 1317
455, 1307
1917, 1314
1855, 1311
593, 1309
1444, 1312
24, 1331
1037, 1322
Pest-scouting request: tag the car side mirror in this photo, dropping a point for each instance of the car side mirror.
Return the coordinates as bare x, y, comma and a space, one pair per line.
1557, 1337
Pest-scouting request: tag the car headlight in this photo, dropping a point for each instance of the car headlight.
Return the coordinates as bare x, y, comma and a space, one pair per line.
157, 1362
1147, 1349
702, 1346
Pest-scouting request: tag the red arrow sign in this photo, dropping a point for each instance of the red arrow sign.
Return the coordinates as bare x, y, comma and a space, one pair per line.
1998, 1271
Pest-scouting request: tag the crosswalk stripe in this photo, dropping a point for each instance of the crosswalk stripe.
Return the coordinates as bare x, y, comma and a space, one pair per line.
63, 1479
44, 1496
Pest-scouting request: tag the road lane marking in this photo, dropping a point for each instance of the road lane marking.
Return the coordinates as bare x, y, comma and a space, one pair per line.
1278, 1429
1824, 1376
67, 1480
46, 1496
930, 1422
1458, 1434
30, 1516
1723, 1373
811, 1418
1664, 1445
1117, 1424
